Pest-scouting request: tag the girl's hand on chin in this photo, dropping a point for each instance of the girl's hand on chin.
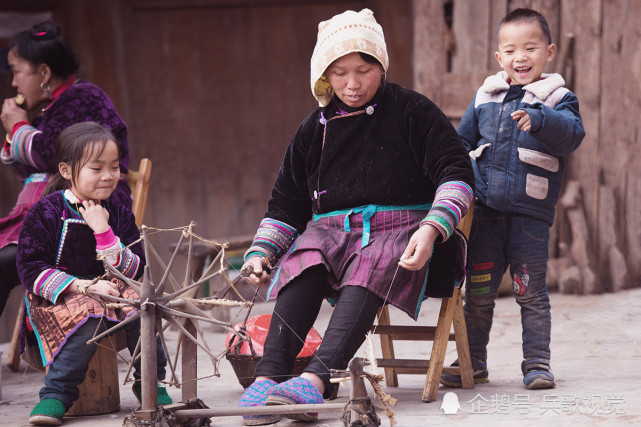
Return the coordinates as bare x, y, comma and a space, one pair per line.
96, 216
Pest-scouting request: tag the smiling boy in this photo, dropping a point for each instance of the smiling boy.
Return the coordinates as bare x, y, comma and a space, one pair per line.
519, 129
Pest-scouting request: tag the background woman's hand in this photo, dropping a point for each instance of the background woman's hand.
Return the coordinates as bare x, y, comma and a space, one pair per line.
259, 274
419, 248
96, 216
11, 114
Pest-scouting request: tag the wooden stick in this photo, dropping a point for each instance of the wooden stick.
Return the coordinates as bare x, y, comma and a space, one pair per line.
260, 410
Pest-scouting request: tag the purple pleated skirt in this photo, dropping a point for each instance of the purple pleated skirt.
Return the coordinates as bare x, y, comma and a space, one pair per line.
352, 260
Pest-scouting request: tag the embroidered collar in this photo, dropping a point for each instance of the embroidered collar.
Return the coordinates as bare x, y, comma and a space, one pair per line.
71, 197
540, 88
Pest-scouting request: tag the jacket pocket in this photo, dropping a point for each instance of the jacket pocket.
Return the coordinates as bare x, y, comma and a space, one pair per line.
536, 158
536, 186
539, 176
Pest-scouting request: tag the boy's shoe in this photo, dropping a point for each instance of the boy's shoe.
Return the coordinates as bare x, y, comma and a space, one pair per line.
295, 391
255, 395
537, 374
479, 369
162, 398
48, 412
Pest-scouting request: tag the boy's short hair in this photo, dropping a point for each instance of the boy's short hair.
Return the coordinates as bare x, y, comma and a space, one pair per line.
527, 15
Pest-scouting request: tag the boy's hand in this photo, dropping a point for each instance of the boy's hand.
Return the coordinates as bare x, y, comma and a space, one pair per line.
96, 216
419, 248
523, 120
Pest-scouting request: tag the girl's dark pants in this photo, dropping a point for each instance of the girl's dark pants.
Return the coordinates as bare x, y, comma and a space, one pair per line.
296, 309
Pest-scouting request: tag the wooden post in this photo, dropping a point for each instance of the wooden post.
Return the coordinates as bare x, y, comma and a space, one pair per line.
148, 349
358, 388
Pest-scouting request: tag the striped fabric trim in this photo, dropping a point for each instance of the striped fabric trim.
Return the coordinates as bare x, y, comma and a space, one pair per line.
51, 283
63, 236
273, 239
22, 142
121, 258
451, 203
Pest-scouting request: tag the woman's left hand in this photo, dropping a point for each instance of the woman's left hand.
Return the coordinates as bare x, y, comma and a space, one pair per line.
96, 216
11, 114
419, 248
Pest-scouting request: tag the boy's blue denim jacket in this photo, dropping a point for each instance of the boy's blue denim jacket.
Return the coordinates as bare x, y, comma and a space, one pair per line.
516, 171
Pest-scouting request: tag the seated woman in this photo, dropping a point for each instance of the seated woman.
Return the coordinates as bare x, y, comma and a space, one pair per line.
368, 195
45, 75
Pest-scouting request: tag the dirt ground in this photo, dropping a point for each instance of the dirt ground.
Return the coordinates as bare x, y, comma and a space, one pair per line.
596, 358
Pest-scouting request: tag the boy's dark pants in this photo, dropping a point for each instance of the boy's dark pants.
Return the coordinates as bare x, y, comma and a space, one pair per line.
499, 240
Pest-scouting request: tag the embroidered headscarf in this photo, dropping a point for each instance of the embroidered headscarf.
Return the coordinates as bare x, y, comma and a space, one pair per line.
344, 33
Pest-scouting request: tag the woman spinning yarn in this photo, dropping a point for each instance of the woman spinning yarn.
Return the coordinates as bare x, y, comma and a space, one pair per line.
368, 195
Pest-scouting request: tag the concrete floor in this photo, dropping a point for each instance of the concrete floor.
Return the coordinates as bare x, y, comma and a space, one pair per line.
596, 358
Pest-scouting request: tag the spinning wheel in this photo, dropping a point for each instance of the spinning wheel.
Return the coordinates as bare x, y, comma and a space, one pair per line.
177, 304
181, 308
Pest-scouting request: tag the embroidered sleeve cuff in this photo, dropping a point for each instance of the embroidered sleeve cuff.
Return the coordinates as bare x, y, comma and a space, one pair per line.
451, 203
273, 239
51, 283
18, 125
21, 146
106, 240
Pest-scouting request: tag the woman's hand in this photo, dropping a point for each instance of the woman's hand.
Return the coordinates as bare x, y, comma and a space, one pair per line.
419, 248
11, 114
101, 286
96, 216
256, 270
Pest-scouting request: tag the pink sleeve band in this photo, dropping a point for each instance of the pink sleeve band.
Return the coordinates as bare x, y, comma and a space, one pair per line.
105, 240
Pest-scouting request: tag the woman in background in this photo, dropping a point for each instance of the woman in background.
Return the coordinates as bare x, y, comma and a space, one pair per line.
52, 98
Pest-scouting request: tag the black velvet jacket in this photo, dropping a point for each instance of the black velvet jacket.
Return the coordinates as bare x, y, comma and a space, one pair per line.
398, 155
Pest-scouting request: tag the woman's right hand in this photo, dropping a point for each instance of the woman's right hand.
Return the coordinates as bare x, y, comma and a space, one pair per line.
11, 114
257, 270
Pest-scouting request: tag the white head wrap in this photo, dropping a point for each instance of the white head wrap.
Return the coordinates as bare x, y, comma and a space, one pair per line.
344, 33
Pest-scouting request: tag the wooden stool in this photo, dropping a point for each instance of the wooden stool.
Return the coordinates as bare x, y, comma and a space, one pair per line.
451, 314
100, 391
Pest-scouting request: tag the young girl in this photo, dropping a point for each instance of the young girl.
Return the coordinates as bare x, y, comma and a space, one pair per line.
57, 262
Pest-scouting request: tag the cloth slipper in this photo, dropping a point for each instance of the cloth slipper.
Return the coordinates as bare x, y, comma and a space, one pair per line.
255, 395
295, 391
48, 412
162, 398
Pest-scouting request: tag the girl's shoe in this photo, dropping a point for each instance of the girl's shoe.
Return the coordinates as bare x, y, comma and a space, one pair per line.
48, 412
162, 398
296, 391
537, 374
255, 395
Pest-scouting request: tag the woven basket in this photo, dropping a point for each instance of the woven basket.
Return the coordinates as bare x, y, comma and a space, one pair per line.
245, 365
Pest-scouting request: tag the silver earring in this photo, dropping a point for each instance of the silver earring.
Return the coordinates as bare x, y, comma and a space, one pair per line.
45, 88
